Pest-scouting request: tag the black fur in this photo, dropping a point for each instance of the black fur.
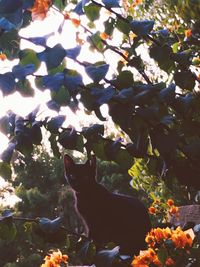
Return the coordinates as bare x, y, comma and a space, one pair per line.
109, 217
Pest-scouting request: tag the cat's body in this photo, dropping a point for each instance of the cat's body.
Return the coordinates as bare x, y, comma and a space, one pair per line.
109, 217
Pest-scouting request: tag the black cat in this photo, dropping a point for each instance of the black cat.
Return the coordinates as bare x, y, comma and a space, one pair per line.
109, 217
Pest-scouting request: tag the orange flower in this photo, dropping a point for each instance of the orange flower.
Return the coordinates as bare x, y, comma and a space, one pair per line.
40, 9
152, 210
55, 259
169, 262
181, 239
173, 210
188, 33
170, 202
104, 36
145, 259
76, 22
3, 57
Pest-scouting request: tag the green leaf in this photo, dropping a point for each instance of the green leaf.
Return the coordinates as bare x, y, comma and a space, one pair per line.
24, 143
162, 55
29, 56
92, 131
25, 89
184, 79
92, 11
10, 43
54, 146
123, 26
97, 73
162, 255
8, 231
5, 170
61, 97
96, 42
60, 4
69, 139
124, 80
55, 123
109, 26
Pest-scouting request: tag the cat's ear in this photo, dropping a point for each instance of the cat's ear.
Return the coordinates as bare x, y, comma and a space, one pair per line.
68, 164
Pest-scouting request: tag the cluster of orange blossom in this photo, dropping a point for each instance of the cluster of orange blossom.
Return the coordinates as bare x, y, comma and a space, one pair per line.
166, 209
40, 9
160, 238
55, 259
75, 22
3, 57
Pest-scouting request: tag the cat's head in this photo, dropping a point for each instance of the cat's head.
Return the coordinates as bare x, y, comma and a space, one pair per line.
80, 176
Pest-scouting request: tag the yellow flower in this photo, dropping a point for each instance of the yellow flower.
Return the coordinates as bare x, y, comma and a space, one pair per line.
40, 9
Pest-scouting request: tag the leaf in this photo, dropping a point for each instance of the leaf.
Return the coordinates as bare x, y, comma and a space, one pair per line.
7, 83
184, 79
8, 231
7, 123
24, 87
124, 80
167, 94
72, 80
6, 25
96, 41
53, 105
20, 71
111, 3
143, 27
7, 214
183, 58
6, 155
162, 55
32, 115
162, 255
92, 131
105, 258
61, 97
183, 104
24, 143
54, 145
192, 149
5, 170
55, 123
73, 52
80, 6
86, 251
50, 226
53, 82
95, 97
29, 56
52, 56
69, 139
92, 11
97, 73
123, 26
109, 26
9, 43
8, 6
36, 133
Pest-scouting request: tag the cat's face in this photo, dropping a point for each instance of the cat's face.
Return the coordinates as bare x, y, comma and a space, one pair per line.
80, 176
